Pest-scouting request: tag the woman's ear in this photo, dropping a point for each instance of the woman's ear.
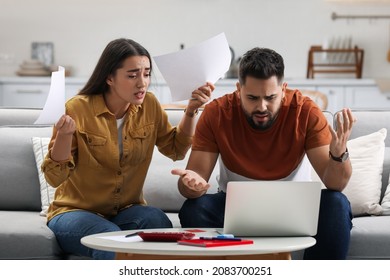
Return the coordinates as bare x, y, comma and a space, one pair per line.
109, 80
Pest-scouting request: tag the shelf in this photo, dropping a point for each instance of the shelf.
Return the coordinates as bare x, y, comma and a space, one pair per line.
337, 61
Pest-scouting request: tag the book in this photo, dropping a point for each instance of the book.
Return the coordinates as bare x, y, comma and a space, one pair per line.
214, 242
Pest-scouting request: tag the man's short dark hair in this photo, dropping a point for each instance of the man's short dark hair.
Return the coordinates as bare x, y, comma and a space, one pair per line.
261, 63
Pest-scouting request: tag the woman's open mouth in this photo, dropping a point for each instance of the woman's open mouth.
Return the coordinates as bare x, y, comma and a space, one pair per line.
140, 95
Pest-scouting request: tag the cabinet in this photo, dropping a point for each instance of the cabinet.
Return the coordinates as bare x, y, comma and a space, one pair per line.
363, 98
32, 96
32, 92
356, 94
334, 94
353, 93
335, 97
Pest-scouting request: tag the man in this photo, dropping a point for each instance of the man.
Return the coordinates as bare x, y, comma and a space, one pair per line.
263, 131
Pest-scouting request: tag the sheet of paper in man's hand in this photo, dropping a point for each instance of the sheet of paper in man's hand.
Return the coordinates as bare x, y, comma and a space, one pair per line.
55, 103
186, 70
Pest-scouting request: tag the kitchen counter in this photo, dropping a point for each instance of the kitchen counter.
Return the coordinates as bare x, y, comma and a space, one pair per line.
353, 93
39, 80
222, 82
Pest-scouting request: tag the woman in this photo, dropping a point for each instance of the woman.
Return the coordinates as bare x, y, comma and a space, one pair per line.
102, 146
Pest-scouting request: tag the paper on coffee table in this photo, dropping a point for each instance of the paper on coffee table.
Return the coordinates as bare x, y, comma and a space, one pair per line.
122, 238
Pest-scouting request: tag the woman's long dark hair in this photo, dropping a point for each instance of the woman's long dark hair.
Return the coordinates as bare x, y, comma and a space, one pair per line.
112, 59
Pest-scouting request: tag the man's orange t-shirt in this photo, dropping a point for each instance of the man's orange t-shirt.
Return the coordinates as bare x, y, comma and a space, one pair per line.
271, 154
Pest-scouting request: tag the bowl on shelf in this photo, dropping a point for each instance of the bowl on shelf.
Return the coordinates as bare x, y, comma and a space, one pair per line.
32, 67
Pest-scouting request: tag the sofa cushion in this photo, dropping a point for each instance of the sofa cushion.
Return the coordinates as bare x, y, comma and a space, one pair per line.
40, 147
19, 182
386, 201
370, 238
364, 187
386, 171
18, 116
160, 188
26, 236
369, 121
174, 217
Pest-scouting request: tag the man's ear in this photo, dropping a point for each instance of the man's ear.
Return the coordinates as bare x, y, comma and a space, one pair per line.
284, 86
238, 86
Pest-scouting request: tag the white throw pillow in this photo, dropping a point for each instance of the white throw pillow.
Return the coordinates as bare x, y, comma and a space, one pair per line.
364, 187
386, 201
40, 146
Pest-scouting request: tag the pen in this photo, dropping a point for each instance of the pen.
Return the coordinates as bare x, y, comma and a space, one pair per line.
225, 235
133, 234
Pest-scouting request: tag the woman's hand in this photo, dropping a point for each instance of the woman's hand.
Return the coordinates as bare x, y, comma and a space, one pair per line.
65, 125
62, 146
200, 96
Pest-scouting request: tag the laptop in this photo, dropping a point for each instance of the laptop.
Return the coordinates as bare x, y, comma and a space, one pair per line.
272, 208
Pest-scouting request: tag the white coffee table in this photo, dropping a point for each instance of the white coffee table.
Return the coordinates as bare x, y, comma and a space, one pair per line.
134, 248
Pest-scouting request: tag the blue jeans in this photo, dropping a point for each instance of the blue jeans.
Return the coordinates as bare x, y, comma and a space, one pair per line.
334, 224
70, 227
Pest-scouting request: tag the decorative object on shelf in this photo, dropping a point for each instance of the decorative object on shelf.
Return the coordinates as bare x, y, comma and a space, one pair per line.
343, 60
32, 67
335, 16
232, 73
43, 52
54, 67
388, 51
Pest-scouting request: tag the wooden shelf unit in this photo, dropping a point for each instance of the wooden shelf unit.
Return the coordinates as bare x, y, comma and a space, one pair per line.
355, 66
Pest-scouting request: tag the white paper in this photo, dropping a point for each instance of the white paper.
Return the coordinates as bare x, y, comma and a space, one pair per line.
122, 238
186, 70
55, 103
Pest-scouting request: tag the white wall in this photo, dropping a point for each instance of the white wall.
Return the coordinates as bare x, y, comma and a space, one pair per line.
81, 29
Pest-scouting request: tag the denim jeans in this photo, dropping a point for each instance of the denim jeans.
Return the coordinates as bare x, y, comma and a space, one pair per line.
334, 224
70, 227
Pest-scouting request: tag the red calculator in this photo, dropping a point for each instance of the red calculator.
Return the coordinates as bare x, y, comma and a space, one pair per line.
165, 236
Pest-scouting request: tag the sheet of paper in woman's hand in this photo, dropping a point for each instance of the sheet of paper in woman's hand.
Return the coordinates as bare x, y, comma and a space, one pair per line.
186, 70
55, 103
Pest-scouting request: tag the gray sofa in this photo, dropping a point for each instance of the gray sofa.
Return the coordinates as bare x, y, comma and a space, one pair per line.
24, 234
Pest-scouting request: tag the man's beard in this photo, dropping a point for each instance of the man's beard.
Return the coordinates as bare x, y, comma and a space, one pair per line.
260, 125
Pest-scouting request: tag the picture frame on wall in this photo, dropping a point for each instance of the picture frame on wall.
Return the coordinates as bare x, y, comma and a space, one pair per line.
43, 51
